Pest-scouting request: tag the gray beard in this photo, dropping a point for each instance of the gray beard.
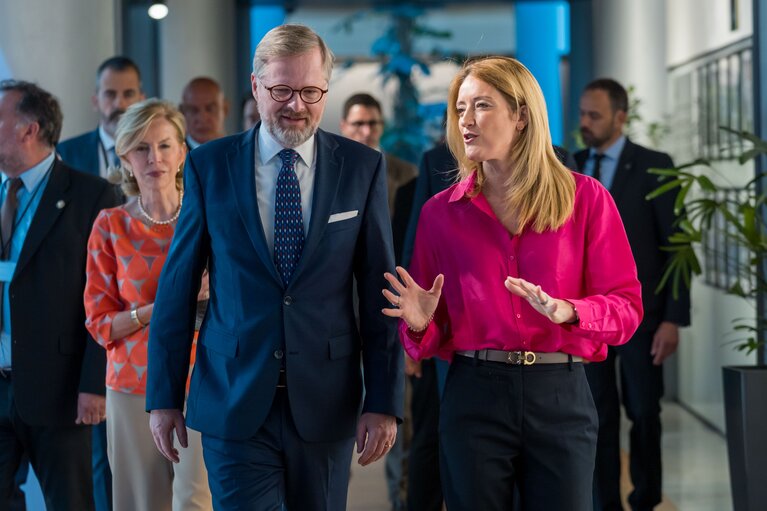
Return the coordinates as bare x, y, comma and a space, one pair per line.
290, 138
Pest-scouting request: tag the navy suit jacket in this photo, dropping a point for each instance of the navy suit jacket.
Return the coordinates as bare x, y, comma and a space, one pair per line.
254, 324
648, 226
81, 152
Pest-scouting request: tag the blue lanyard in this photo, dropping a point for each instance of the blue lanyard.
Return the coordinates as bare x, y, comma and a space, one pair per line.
7, 243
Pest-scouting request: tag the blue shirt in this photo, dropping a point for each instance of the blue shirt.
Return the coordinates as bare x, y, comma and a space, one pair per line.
609, 162
34, 181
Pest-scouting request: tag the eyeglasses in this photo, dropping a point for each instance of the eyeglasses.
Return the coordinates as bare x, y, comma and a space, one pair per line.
370, 124
283, 93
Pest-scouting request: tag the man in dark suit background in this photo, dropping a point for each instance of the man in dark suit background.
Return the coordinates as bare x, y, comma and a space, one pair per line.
205, 109
622, 168
118, 86
287, 216
51, 372
362, 121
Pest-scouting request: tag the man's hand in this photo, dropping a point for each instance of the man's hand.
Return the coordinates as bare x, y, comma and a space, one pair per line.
412, 368
664, 342
91, 408
376, 434
162, 423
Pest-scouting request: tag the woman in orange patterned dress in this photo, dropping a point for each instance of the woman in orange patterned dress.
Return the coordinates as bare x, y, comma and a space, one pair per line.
126, 252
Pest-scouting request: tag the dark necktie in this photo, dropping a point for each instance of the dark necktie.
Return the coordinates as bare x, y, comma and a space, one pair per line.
114, 161
8, 215
288, 218
7, 219
597, 163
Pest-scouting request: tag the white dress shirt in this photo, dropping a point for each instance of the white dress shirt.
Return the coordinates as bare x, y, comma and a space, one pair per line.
268, 165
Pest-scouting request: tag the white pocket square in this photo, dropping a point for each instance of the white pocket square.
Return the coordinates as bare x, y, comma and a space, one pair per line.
346, 215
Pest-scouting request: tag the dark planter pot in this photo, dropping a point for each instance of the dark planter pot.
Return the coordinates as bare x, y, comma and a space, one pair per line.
745, 406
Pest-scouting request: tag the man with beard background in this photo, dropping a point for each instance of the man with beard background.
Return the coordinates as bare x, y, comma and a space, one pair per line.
287, 216
118, 86
622, 167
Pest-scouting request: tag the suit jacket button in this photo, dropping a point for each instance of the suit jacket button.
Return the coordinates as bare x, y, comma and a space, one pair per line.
288, 300
278, 354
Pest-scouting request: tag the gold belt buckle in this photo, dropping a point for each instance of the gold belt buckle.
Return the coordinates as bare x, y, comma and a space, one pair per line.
521, 358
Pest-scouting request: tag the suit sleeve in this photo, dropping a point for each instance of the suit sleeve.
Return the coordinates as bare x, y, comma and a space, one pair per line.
173, 318
93, 373
420, 196
382, 357
676, 310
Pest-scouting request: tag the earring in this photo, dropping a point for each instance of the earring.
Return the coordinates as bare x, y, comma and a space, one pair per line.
180, 165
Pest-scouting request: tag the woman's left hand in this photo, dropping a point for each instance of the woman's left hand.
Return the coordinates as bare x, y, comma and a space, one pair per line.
558, 311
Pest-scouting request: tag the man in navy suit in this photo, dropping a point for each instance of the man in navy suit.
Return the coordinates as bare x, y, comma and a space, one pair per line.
118, 86
284, 216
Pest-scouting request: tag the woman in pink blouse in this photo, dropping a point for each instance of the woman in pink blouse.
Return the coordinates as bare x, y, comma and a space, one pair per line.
520, 272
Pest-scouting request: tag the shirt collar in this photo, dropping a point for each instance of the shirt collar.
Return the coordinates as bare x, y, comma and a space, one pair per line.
465, 186
614, 151
268, 147
32, 177
107, 141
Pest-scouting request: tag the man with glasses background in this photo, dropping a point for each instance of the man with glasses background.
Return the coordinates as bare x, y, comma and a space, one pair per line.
287, 216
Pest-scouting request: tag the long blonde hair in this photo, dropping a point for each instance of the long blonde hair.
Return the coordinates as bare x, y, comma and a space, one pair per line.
540, 190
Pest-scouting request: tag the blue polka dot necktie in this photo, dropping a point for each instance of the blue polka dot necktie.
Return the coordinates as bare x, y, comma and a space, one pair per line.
288, 218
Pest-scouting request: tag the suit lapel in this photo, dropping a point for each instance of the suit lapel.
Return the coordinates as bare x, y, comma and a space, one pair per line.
326, 179
52, 204
623, 170
241, 164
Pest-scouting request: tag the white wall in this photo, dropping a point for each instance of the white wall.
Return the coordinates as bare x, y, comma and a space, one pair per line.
58, 45
630, 46
197, 38
698, 26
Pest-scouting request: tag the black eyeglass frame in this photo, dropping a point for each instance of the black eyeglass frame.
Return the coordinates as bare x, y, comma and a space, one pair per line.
293, 93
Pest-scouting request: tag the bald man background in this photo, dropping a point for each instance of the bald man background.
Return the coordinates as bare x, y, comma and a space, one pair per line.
205, 109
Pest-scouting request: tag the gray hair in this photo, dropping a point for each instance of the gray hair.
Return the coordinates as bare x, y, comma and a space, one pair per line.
288, 41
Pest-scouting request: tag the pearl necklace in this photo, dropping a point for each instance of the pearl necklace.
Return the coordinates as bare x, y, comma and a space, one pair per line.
162, 222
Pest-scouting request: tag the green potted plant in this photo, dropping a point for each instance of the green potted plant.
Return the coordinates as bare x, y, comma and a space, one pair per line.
739, 213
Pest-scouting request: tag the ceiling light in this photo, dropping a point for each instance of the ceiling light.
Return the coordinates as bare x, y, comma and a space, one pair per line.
158, 10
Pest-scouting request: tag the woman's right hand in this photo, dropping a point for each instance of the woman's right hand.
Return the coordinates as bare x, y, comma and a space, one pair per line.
412, 303
204, 293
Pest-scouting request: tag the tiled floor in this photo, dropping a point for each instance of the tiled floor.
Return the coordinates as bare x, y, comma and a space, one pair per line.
695, 478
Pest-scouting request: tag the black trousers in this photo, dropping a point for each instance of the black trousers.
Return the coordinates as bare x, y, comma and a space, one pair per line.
424, 488
276, 470
501, 426
60, 456
641, 385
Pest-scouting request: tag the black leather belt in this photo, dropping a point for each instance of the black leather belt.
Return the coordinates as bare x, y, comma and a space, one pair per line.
282, 380
518, 358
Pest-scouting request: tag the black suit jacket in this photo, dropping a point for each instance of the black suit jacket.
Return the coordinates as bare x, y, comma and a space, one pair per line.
648, 226
54, 358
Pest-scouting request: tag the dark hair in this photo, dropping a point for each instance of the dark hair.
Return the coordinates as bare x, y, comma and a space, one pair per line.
37, 105
619, 98
117, 63
360, 99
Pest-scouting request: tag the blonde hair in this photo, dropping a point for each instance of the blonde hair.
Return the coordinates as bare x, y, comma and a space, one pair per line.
132, 127
540, 190
288, 41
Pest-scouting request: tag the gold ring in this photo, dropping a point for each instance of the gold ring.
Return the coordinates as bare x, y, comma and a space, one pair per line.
387, 444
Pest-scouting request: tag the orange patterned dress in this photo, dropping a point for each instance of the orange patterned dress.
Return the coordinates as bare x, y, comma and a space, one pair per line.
125, 258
